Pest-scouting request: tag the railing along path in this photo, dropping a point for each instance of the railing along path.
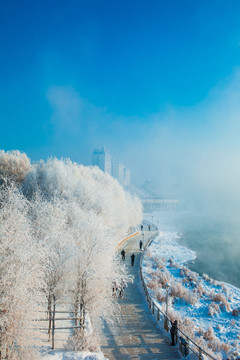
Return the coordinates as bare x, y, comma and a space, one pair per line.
153, 305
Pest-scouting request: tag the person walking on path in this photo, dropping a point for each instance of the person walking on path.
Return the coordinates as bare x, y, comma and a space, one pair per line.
173, 332
140, 245
132, 259
123, 254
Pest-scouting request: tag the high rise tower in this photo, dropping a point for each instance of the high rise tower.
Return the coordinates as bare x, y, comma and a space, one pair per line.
102, 159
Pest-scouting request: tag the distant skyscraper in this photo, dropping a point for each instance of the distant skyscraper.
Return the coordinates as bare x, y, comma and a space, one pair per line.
102, 159
114, 169
124, 176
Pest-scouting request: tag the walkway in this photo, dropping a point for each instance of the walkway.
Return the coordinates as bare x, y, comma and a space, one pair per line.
136, 335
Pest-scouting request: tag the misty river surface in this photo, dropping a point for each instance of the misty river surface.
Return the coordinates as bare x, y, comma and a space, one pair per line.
215, 241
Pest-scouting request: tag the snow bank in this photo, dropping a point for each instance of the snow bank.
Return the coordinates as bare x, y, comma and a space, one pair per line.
73, 355
207, 310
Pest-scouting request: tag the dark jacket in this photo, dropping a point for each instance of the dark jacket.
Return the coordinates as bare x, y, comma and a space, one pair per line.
173, 329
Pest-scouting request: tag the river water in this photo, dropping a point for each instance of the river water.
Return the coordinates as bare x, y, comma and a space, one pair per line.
215, 241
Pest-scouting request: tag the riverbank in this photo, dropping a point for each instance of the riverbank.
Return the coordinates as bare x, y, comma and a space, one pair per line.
207, 310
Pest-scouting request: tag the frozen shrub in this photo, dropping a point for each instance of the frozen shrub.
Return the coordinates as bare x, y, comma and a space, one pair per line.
219, 327
178, 290
164, 277
200, 331
182, 273
236, 312
206, 277
160, 262
187, 326
200, 290
160, 295
218, 297
83, 341
152, 284
224, 289
148, 265
209, 334
213, 309
173, 264
14, 165
192, 298
173, 315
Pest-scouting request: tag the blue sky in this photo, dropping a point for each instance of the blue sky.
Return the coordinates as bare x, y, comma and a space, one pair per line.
136, 76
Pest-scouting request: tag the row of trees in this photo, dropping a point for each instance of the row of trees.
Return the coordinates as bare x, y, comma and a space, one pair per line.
59, 225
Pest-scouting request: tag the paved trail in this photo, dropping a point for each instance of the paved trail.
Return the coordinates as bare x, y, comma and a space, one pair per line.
136, 335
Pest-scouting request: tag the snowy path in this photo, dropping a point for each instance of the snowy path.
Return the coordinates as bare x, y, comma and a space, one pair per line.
136, 335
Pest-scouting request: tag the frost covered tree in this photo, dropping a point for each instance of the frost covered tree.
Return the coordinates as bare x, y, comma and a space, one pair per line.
58, 234
93, 191
49, 224
95, 214
94, 267
20, 276
14, 165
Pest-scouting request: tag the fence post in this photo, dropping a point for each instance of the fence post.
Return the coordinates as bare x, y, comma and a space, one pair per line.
150, 303
153, 307
200, 354
158, 315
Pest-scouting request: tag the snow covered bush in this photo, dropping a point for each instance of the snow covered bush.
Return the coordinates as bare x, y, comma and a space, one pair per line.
160, 295
83, 341
236, 312
163, 276
218, 297
213, 309
178, 290
159, 262
14, 165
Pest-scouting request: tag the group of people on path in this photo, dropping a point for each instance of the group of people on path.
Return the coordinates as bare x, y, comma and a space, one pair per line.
123, 253
174, 328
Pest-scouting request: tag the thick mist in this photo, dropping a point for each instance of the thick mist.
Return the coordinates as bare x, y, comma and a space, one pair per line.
190, 153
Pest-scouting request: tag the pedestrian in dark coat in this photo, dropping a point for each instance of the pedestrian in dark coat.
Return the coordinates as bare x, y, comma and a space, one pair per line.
140, 244
141, 227
123, 254
132, 259
173, 332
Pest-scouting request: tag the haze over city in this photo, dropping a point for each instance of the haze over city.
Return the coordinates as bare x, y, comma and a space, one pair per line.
155, 82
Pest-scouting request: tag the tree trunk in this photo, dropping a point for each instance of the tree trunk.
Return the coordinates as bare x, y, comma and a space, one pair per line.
53, 320
49, 316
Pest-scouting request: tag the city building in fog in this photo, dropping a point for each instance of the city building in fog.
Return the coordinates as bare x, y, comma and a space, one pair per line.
124, 176
107, 163
114, 168
102, 158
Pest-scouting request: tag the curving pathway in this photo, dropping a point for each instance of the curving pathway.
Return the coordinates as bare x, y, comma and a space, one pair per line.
136, 335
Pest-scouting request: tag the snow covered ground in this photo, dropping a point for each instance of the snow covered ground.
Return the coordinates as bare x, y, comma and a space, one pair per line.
207, 310
72, 355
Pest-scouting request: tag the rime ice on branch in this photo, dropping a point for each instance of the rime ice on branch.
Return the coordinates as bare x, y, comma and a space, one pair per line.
68, 218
